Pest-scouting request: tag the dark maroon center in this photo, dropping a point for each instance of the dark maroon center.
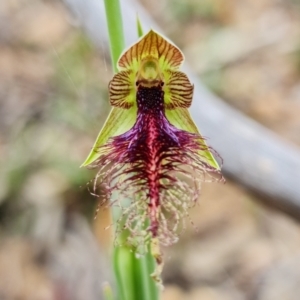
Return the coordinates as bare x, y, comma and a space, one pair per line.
150, 100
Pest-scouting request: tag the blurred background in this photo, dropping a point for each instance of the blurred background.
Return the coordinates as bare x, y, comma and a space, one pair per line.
53, 102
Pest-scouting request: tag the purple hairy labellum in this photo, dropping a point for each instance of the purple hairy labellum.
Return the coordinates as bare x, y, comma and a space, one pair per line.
149, 151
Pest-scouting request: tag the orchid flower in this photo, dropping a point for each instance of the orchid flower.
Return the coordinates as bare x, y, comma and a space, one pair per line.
149, 149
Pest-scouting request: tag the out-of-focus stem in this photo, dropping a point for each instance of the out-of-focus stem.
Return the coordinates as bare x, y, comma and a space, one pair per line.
107, 291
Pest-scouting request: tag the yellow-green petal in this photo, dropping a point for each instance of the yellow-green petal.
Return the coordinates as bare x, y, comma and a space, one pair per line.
181, 118
122, 91
119, 121
178, 90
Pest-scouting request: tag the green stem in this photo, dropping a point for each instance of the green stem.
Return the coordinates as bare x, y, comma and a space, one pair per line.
132, 274
146, 288
115, 30
123, 260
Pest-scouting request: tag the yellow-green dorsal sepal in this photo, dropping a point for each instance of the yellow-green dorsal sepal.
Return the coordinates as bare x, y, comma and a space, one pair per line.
151, 45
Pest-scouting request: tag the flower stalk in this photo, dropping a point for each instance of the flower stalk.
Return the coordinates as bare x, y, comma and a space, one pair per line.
132, 273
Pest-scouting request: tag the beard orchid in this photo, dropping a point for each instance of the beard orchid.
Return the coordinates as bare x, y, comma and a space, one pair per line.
149, 150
